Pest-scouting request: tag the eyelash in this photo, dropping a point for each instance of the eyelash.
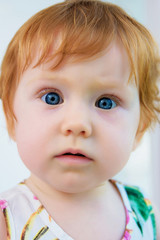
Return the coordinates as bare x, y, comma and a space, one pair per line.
113, 100
43, 93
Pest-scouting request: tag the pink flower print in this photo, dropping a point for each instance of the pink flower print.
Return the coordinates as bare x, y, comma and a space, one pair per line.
3, 204
127, 217
128, 232
127, 235
35, 198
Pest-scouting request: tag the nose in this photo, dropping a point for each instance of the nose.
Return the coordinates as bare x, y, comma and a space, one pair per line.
76, 123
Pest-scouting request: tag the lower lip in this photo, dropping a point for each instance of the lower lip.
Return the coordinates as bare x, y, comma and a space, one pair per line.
73, 160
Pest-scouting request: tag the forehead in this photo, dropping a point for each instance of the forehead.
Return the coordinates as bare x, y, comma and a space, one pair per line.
115, 52
113, 63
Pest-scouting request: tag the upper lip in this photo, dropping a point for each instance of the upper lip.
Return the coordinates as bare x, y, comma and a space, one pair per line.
74, 152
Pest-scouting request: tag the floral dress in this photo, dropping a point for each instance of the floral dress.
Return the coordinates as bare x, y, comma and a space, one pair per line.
27, 219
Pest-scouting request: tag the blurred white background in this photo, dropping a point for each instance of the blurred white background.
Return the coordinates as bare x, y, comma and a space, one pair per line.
143, 169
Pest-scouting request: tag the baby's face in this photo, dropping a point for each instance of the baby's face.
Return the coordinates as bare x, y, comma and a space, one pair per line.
76, 126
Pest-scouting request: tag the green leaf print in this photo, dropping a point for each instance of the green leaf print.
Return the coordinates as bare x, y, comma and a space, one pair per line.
141, 207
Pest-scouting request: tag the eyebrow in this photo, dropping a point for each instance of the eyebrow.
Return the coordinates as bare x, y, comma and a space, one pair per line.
99, 84
43, 78
98, 81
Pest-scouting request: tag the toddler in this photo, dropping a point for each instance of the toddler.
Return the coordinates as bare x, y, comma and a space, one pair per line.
79, 89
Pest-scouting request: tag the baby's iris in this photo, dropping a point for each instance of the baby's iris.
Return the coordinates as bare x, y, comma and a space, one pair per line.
106, 103
51, 98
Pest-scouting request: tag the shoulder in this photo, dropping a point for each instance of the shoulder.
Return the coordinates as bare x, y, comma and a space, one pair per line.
3, 231
4, 218
137, 198
140, 203
8, 203
12, 195
141, 208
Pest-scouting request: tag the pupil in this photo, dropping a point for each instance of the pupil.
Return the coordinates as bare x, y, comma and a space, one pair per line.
105, 103
52, 98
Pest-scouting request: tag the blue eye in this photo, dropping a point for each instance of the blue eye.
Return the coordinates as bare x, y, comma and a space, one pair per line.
106, 103
52, 98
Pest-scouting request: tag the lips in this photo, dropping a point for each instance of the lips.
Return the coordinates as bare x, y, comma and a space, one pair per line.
74, 152
73, 156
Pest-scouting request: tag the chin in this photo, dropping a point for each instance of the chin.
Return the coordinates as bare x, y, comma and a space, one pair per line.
73, 188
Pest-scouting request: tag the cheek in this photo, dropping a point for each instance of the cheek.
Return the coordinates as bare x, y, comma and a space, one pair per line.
120, 125
115, 152
117, 144
30, 141
117, 139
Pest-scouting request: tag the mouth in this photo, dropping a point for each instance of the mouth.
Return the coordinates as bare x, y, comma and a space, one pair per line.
71, 154
73, 157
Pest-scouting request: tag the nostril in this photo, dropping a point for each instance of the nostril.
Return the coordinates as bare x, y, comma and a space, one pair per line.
69, 131
78, 132
76, 129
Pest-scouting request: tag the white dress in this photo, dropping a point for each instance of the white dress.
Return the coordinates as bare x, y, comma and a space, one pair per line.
27, 219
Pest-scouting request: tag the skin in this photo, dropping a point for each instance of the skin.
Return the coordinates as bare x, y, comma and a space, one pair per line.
78, 124
105, 136
3, 231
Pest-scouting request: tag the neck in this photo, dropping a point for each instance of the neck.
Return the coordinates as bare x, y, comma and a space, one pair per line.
45, 191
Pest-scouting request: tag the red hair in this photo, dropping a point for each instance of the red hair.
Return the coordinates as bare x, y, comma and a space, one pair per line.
86, 28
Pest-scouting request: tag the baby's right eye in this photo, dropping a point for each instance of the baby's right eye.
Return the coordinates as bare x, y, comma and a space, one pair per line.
52, 98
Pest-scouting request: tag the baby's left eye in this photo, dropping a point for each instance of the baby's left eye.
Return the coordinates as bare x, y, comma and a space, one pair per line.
52, 98
105, 103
